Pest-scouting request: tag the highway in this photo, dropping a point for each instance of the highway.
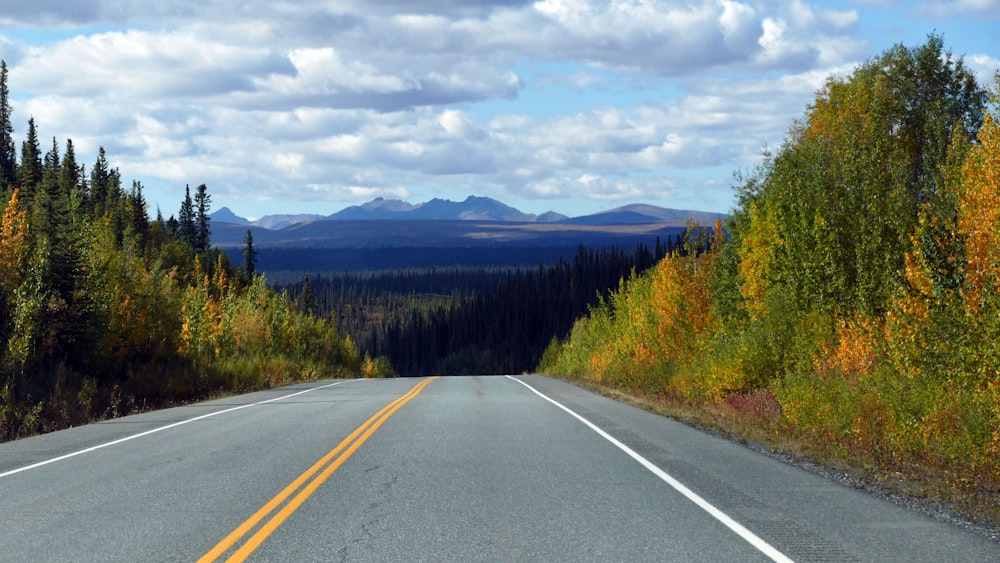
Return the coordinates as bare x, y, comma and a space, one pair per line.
523, 468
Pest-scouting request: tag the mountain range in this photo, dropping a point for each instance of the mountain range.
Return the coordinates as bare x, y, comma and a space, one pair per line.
474, 208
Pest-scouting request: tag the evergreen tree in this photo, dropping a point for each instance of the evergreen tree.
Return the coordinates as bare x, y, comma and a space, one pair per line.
185, 219
29, 173
202, 202
100, 177
173, 226
8, 151
138, 213
116, 193
249, 257
69, 170
307, 301
46, 207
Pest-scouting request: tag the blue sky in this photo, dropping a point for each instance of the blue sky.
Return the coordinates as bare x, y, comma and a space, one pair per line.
576, 106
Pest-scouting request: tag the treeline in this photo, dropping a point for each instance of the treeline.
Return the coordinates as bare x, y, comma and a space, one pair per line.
856, 303
326, 260
462, 321
103, 310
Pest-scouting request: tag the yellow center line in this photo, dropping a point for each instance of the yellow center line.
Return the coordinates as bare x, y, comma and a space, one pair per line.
348, 446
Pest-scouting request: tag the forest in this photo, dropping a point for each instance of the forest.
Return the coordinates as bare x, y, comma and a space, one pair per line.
104, 311
853, 308
470, 320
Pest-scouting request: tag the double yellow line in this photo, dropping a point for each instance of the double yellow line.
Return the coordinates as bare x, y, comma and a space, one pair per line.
338, 454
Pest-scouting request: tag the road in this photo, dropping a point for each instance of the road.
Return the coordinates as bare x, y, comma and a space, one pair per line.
520, 468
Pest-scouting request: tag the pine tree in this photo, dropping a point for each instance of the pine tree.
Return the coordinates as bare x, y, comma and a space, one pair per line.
202, 202
29, 173
69, 170
138, 212
100, 177
8, 151
307, 301
185, 219
249, 257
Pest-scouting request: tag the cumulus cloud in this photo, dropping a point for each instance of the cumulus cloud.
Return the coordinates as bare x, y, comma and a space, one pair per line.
144, 65
985, 67
311, 100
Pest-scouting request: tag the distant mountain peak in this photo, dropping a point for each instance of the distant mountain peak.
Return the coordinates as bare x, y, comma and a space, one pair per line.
387, 204
642, 213
473, 208
226, 215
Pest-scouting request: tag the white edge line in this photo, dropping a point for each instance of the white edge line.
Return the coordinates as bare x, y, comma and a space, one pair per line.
159, 429
752, 538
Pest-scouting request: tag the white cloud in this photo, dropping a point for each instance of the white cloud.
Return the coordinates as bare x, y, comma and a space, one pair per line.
311, 100
985, 67
143, 65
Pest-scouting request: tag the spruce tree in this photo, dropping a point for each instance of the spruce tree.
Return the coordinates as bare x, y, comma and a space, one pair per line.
29, 173
8, 151
185, 219
307, 301
99, 179
138, 213
69, 170
249, 257
203, 234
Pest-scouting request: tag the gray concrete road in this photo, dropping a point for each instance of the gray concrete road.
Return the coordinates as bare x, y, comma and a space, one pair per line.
448, 469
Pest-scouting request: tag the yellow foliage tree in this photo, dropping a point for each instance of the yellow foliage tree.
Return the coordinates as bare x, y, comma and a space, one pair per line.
979, 218
13, 245
760, 243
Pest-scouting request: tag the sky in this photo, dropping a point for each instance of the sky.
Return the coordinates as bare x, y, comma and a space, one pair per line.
576, 106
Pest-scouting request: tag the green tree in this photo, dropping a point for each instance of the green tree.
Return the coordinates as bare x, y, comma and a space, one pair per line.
307, 300
100, 181
8, 151
845, 192
249, 257
203, 233
138, 211
187, 229
70, 173
29, 172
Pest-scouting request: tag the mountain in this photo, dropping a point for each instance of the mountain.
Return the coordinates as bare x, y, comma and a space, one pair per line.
226, 215
271, 222
551, 217
472, 209
377, 208
639, 213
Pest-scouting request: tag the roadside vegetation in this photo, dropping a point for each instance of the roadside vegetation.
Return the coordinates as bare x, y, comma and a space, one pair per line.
852, 312
104, 311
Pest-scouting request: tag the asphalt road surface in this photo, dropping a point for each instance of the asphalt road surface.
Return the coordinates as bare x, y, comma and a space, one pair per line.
439, 469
